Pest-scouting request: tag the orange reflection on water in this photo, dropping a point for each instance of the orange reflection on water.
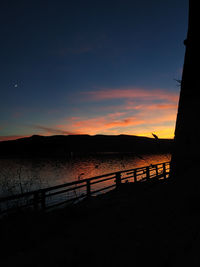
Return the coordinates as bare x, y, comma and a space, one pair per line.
49, 172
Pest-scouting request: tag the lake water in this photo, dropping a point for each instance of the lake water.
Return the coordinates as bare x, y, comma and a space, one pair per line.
29, 174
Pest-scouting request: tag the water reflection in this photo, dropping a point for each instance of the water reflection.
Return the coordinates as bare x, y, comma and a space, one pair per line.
29, 174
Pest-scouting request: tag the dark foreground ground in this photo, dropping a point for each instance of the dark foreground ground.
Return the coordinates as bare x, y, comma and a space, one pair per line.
138, 225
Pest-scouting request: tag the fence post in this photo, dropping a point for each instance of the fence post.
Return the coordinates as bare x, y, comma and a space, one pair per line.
147, 173
118, 179
164, 171
169, 169
88, 188
36, 201
43, 200
135, 176
156, 167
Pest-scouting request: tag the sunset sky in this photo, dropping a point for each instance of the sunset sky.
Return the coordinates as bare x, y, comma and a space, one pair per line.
90, 67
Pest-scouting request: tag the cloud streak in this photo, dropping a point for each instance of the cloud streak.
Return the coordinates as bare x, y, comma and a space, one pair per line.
50, 130
141, 110
132, 93
133, 111
102, 124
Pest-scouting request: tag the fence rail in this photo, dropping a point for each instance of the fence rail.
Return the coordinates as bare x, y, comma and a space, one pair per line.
50, 197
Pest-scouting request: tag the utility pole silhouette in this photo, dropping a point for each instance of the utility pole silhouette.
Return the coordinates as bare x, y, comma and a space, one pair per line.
186, 154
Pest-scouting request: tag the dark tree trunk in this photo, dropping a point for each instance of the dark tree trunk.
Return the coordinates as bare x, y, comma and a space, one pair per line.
186, 154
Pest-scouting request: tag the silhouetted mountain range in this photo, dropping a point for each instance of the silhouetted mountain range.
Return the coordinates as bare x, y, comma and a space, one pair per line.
61, 145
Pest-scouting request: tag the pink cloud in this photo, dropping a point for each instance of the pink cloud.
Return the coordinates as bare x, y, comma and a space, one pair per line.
11, 137
167, 106
132, 93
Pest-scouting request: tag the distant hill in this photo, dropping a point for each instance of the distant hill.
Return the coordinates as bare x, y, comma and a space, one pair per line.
61, 145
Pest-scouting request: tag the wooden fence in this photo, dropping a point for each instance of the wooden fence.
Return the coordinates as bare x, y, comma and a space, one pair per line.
72, 192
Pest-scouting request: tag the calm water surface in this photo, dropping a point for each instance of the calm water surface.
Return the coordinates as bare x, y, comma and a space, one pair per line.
29, 174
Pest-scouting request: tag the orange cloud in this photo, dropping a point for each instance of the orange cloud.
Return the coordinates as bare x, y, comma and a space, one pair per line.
130, 121
141, 111
101, 124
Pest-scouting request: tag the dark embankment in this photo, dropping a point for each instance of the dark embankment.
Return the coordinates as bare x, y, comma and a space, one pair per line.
60, 145
138, 225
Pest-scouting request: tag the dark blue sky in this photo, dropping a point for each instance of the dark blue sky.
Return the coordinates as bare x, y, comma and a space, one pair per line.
61, 60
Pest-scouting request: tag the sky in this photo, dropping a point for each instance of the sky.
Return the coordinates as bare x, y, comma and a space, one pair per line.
90, 67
